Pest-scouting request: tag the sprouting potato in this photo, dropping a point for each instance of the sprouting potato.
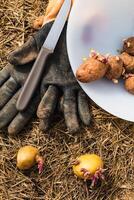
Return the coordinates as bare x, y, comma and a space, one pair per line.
129, 84
89, 167
98, 66
27, 157
128, 62
115, 69
128, 46
91, 70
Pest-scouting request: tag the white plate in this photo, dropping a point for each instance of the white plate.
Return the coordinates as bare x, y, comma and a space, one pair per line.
89, 27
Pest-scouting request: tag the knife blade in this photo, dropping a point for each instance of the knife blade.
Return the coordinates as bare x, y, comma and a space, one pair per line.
39, 64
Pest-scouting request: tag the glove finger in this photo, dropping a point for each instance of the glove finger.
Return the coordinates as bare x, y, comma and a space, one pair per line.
7, 91
43, 90
47, 107
44, 124
24, 54
70, 110
4, 75
83, 108
22, 118
9, 111
48, 103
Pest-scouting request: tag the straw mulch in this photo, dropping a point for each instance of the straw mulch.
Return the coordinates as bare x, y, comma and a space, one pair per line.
107, 136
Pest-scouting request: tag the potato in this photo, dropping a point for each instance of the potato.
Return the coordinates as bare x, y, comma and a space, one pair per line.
129, 84
128, 46
115, 69
51, 12
91, 70
37, 24
128, 62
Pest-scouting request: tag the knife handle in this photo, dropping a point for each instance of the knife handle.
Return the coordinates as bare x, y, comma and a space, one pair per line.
33, 79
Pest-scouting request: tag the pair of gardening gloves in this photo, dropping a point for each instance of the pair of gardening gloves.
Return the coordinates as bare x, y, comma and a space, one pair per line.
58, 88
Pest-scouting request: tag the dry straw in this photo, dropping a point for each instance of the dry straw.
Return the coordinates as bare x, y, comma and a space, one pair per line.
107, 136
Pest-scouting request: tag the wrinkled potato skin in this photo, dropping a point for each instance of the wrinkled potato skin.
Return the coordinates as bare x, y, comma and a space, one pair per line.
115, 68
91, 70
128, 46
129, 84
128, 62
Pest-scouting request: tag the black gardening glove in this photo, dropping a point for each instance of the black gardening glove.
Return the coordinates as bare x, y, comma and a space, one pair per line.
12, 78
59, 83
59, 86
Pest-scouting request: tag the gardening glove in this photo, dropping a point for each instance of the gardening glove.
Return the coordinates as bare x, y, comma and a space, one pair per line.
13, 77
59, 83
60, 86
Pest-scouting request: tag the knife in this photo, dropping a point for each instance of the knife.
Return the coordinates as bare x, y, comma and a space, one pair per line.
47, 49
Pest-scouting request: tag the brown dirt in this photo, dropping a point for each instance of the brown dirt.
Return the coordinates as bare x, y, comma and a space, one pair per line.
107, 136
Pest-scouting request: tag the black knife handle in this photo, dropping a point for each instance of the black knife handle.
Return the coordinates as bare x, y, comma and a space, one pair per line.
33, 79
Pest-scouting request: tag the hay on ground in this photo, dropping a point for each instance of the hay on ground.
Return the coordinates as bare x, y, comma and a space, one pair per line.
107, 136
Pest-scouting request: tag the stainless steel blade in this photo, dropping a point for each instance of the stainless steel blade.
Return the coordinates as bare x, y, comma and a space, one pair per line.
54, 33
